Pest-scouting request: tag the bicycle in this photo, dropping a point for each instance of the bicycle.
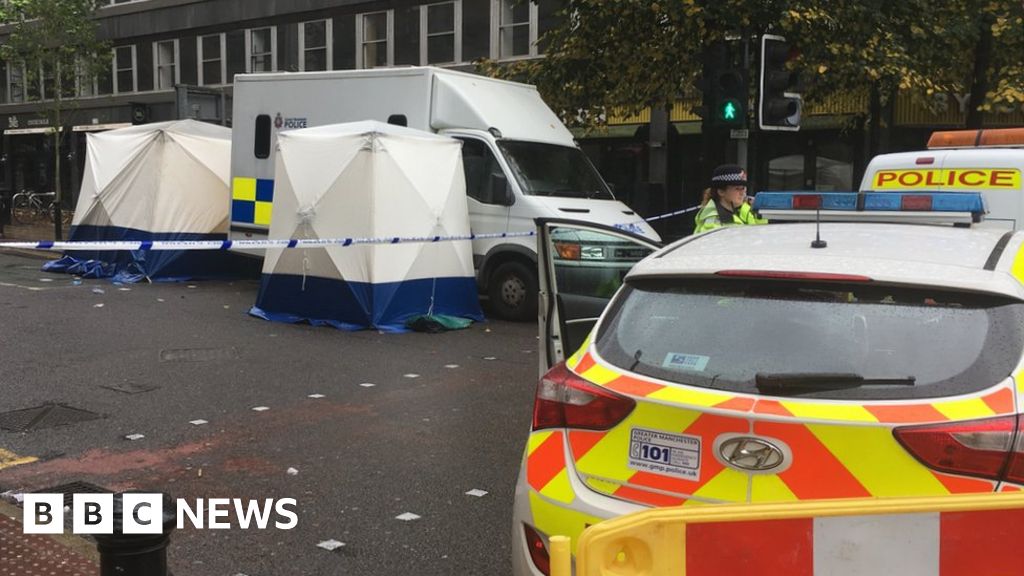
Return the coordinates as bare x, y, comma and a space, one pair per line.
28, 206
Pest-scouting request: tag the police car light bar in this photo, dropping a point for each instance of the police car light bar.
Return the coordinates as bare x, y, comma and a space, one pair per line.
922, 207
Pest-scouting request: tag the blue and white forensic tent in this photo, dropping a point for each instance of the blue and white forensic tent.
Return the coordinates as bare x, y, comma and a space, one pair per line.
160, 181
368, 180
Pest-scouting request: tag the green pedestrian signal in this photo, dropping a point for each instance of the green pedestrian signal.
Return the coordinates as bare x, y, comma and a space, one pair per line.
729, 112
730, 93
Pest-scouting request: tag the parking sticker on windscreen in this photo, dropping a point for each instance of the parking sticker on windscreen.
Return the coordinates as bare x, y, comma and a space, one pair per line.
685, 361
664, 453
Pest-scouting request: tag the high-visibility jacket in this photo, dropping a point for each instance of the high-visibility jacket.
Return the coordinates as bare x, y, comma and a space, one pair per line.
707, 217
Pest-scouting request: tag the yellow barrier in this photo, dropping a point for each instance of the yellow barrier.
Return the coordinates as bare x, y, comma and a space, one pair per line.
654, 542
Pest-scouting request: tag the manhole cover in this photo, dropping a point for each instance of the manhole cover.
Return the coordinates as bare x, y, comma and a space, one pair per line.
72, 488
197, 354
45, 416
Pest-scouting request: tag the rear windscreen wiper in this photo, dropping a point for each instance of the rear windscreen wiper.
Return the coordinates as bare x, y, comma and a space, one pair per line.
802, 382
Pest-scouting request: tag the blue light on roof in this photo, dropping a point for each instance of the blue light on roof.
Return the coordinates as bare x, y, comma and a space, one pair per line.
972, 202
793, 200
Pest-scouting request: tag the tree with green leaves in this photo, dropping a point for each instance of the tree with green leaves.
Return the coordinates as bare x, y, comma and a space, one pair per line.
921, 47
634, 54
53, 46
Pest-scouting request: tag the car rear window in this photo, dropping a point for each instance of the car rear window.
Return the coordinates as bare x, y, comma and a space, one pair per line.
827, 340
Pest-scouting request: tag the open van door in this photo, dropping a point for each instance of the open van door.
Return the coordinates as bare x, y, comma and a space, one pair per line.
580, 266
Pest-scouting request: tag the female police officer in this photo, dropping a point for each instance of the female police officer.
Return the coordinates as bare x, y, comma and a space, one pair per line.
724, 203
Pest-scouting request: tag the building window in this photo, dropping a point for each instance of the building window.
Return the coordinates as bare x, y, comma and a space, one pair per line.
124, 70
165, 63
211, 59
374, 40
514, 29
85, 83
314, 45
261, 45
16, 83
441, 41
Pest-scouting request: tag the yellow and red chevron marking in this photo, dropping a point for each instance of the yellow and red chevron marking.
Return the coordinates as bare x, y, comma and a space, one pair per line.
546, 470
845, 449
991, 403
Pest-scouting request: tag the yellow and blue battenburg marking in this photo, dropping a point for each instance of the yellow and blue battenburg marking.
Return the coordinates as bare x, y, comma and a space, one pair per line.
252, 200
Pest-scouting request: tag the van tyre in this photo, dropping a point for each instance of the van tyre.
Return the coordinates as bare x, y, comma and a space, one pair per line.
512, 291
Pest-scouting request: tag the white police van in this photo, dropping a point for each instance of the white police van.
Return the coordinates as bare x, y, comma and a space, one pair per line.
520, 161
986, 161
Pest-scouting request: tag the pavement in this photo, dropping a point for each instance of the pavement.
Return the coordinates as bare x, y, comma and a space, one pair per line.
42, 554
39, 554
359, 427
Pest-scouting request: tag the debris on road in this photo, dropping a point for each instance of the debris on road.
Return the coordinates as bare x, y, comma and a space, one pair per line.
477, 492
330, 545
12, 497
198, 422
134, 437
260, 408
407, 517
292, 472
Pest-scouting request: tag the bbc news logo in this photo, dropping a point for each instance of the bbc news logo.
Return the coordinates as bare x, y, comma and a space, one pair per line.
144, 513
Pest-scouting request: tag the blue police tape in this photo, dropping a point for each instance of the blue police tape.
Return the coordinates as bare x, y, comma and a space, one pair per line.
146, 245
671, 214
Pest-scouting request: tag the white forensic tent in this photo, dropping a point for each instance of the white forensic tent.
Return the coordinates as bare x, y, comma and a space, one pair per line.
368, 180
160, 181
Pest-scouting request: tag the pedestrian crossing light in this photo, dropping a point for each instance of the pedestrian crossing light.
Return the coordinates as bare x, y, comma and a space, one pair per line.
731, 94
729, 111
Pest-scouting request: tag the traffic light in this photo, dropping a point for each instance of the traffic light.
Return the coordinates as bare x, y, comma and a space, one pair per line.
724, 89
730, 98
779, 107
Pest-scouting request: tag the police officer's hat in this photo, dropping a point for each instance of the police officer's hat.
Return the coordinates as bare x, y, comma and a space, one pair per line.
728, 175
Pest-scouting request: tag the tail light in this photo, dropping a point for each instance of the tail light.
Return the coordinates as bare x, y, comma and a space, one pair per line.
538, 550
981, 448
564, 400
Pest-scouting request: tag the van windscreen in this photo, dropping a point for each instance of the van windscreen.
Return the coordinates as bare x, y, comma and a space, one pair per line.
551, 170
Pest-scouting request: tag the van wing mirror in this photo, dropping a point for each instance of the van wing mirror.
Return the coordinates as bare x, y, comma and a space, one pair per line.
501, 192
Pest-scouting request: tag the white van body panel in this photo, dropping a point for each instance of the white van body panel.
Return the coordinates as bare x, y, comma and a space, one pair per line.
477, 102
432, 99
995, 172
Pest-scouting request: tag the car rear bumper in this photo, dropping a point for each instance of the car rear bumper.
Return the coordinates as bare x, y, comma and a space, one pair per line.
553, 517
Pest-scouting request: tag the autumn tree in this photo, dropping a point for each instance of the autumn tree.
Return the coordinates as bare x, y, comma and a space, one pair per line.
921, 47
632, 54
628, 54
53, 46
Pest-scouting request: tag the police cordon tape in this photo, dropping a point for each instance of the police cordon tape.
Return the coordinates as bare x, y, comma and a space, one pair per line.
249, 244
145, 245
671, 214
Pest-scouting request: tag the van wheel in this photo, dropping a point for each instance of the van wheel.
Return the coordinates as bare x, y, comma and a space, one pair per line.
512, 290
